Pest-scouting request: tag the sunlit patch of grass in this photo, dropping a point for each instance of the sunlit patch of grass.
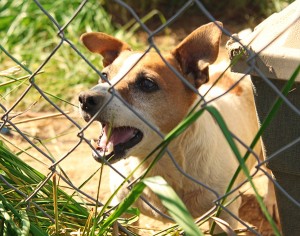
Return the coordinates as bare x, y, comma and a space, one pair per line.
30, 36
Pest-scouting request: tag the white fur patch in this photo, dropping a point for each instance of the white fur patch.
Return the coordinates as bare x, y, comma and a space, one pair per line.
115, 107
126, 66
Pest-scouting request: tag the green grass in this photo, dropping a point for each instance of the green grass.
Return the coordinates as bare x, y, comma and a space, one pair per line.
16, 213
29, 36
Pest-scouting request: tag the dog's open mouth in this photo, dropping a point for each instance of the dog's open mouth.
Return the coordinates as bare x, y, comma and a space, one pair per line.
115, 141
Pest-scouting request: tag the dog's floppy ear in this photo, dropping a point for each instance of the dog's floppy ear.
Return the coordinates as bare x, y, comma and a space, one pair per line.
106, 45
198, 50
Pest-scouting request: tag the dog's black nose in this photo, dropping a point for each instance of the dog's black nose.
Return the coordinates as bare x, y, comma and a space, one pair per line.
89, 101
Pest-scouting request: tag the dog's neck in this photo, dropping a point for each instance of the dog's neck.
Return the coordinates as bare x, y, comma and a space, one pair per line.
190, 151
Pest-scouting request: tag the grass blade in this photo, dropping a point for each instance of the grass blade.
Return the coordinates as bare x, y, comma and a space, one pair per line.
173, 203
25, 223
123, 206
9, 220
55, 207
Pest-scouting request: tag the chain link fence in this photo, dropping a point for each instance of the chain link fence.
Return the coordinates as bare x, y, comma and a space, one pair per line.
55, 154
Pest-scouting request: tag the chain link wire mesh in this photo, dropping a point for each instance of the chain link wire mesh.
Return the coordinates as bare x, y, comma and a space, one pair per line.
13, 117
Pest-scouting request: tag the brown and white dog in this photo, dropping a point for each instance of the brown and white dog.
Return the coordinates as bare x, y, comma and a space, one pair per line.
149, 87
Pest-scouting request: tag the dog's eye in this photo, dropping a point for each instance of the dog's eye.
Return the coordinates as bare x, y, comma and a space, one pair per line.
147, 85
103, 78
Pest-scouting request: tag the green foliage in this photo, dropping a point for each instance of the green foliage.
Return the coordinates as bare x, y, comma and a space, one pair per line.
24, 25
18, 217
30, 36
8, 225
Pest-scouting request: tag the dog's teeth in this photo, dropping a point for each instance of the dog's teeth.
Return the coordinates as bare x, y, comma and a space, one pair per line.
109, 148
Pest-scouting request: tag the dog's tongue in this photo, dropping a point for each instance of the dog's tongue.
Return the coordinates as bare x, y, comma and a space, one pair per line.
114, 136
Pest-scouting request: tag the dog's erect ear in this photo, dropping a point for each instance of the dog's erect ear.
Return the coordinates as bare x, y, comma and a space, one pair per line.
198, 50
106, 45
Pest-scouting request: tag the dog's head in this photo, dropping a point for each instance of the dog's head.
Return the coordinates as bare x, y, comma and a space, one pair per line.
144, 83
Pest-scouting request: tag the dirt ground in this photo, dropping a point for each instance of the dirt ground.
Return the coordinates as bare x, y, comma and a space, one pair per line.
79, 164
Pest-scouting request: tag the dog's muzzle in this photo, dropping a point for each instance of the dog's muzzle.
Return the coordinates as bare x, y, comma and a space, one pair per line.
114, 141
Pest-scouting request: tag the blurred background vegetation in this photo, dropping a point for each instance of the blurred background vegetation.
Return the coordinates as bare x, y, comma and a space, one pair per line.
29, 36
